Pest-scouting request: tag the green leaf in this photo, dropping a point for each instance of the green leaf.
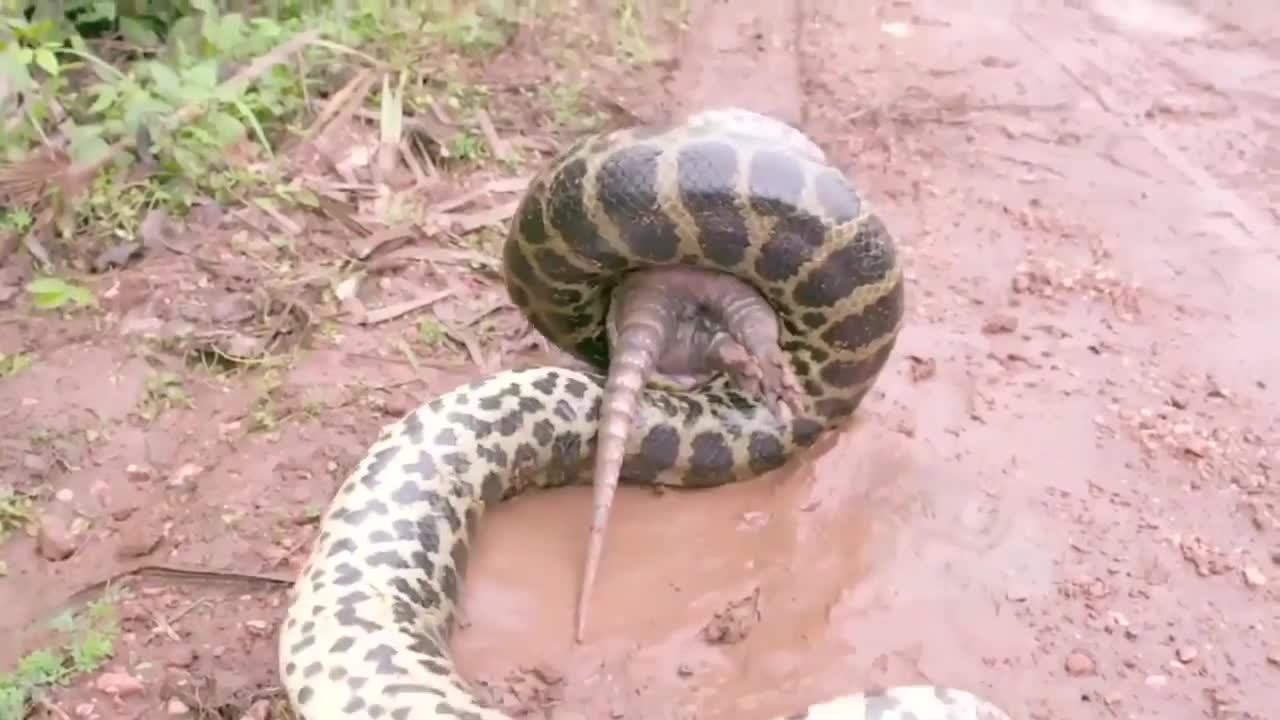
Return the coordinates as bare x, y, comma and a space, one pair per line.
49, 293
105, 95
167, 82
47, 61
227, 128
89, 149
137, 33
14, 68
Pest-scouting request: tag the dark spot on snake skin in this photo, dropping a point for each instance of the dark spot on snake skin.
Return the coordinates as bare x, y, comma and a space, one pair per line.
302, 644
628, 192
457, 462
818, 355
494, 455
845, 374
413, 427
379, 536
793, 240
801, 366
411, 595
428, 536
593, 413
336, 673
342, 645
383, 657
708, 183
775, 181
424, 468
312, 670
401, 713
846, 269
529, 217
304, 695
764, 452
403, 613
476, 426
543, 431
386, 558
813, 387
711, 462
525, 465
446, 437
566, 459
832, 408
837, 199
449, 583
565, 296
564, 410
449, 711
290, 668
530, 404
558, 270
355, 682
575, 387
665, 404
461, 554
346, 574
877, 320
511, 423
353, 705
381, 460
491, 489
805, 431
412, 491
424, 645
813, 320
547, 383
518, 267
519, 296
658, 452
594, 350
789, 325
341, 546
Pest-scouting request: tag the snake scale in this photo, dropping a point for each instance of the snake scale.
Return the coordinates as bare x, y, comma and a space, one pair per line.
728, 193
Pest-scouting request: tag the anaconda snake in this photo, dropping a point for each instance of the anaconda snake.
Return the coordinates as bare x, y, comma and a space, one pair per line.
745, 196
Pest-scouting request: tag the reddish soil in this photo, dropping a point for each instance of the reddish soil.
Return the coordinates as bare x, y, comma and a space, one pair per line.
1062, 495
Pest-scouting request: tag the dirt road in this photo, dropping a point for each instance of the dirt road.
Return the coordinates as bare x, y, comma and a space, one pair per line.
1062, 494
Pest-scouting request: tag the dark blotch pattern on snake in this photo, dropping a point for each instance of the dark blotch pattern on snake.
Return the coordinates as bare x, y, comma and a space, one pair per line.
367, 632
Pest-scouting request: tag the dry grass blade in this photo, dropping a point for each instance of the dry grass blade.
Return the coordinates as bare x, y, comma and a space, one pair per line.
343, 103
391, 312
390, 126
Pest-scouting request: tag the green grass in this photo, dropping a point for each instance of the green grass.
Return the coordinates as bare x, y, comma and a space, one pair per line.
90, 641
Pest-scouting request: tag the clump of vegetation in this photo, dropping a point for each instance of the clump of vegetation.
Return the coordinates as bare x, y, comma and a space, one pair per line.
110, 108
90, 642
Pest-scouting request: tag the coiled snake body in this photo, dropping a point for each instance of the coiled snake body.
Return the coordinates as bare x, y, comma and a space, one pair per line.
730, 194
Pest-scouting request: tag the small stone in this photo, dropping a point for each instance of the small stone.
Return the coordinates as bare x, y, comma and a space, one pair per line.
54, 541
139, 473
999, 324
183, 656
1253, 577
257, 627
1187, 654
1274, 659
118, 684
141, 536
1080, 663
65, 495
684, 670
35, 464
85, 710
1157, 681
184, 477
176, 707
